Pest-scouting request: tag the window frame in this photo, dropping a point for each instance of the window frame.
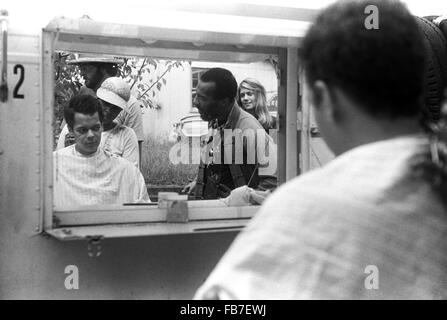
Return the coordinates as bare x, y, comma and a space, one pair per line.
58, 35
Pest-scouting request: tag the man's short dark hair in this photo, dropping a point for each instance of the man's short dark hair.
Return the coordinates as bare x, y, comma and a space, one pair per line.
226, 85
85, 104
381, 69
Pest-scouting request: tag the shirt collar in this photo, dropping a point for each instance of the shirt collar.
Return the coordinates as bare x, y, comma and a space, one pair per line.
231, 119
78, 154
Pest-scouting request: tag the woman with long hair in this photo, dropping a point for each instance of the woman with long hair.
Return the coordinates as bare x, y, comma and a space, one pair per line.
251, 97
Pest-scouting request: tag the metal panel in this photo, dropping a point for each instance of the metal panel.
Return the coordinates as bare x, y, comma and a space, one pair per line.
291, 112
46, 109
82, 39
19, 138
135, 214
147, 229
23, 48
282, 115
243, 35
180, 54
305, 131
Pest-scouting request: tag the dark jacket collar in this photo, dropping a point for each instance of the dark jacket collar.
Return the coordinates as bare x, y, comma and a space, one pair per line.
232, 119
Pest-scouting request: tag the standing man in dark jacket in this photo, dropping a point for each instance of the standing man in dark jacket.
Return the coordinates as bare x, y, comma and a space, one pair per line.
234, 153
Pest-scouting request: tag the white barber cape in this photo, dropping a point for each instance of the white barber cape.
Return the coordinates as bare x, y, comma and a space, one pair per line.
359, 228
101, 178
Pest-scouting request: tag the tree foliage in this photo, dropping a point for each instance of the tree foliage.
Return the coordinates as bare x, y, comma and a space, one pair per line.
67, 83
134, 70
146, 76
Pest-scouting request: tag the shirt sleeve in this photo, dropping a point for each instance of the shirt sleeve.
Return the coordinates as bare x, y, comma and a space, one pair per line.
251, 268
268, 166
132, 118
265, 157
141, 194
131, 151
282, 251
61, 140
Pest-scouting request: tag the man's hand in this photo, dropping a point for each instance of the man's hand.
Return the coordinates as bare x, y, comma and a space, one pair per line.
69, 139
245, 196
189, 188
258, 196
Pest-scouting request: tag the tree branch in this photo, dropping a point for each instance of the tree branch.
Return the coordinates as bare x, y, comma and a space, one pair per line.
158, 80
139, 72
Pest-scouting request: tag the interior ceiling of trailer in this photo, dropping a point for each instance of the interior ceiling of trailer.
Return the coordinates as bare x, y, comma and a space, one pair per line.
190, 35
202, 28
243, 36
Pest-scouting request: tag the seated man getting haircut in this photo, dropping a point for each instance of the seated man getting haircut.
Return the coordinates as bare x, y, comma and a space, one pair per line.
83, 173
117, 139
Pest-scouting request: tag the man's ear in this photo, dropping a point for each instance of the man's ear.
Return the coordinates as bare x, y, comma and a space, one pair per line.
324, 100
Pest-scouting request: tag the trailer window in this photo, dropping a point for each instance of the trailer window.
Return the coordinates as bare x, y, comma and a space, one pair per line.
164, 90
161, 89
161, 75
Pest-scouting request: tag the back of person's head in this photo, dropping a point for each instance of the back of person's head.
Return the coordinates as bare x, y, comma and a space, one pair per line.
84, 104
380, 69
225, 83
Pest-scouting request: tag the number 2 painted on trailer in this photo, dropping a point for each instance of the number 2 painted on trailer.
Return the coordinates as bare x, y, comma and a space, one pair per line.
16, 93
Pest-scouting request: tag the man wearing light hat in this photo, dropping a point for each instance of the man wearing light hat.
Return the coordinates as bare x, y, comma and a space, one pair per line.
96, 69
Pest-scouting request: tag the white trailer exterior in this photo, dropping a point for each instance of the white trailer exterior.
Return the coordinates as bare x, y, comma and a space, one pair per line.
142, 256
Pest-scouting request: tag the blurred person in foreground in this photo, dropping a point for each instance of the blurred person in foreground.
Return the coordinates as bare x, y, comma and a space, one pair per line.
372, 223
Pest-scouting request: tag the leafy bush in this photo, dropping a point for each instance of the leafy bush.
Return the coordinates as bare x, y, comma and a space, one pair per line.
68, 81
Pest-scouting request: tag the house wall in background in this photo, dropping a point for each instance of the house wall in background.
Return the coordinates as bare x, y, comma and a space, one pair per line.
175, 99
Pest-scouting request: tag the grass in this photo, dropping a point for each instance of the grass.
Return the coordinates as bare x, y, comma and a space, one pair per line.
156, 167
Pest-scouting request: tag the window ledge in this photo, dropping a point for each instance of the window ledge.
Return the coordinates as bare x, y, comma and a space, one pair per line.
146, 229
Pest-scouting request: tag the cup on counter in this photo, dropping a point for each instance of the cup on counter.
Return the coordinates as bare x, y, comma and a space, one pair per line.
163, 196
177, 208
